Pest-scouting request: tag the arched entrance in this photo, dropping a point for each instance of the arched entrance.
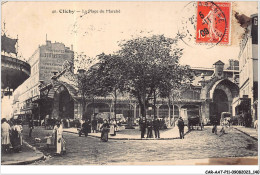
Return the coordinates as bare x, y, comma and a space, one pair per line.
222, 95
221, 100
63, 106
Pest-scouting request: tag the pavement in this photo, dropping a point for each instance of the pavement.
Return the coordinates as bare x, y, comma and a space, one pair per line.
28, 155
209, 161
203, 146
135, 134
252, 132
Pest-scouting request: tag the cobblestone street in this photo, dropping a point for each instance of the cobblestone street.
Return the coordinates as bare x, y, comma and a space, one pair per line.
196, 145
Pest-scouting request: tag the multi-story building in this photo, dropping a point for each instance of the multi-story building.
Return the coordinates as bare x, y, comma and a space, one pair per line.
248, 72
46, 60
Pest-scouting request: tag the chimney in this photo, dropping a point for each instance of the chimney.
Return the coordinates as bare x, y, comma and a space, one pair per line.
48, 43
218, 70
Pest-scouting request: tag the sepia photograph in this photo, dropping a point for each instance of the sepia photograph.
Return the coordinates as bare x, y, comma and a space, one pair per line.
129, 83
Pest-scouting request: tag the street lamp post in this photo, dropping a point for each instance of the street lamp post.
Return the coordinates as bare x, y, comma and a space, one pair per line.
150, 109
130, 117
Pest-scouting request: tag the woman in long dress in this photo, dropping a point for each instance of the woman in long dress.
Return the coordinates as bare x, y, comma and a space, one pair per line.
59, 139
19, 129
17, 136
5, 135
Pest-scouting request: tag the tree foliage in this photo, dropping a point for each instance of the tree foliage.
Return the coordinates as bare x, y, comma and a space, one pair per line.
142, 67
152, 64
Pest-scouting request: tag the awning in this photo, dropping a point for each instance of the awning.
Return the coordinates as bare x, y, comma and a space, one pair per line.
243, 104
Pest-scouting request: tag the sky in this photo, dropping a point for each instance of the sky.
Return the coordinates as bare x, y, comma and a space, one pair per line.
94, 33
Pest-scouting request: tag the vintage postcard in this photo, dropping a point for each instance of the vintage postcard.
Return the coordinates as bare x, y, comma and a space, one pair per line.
130, 83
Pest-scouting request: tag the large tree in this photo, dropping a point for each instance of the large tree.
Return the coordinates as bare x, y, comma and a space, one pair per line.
86, 87
84, 77
108, 76
151, 64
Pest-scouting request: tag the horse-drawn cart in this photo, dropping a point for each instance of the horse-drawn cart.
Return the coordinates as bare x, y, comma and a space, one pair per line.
195, 121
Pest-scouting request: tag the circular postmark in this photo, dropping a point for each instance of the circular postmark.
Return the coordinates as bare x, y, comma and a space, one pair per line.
205, 23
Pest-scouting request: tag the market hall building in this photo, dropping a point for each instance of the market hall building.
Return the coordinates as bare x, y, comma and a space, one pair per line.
211, 93
45, 60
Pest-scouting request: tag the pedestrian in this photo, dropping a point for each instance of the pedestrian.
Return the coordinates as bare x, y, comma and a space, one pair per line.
156, 126
149, 129
224, 124
88, 126
104, 128
142, 123
5, 135
94, 125
16, 137
181, 127
85, 128
215, 124
54, 133
112, 128
58, 135
20, 131
30, 127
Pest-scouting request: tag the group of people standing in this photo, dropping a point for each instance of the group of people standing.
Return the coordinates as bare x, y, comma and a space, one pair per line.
95, 125
150, 125
154, 125
11, 135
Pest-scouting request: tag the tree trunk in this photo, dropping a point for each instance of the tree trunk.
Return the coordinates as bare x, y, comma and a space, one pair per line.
142, 107
93, 107
115, 105
130, 119
83, 106
142, 101
154, 103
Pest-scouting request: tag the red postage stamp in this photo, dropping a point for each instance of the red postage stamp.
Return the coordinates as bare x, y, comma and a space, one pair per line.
213, 22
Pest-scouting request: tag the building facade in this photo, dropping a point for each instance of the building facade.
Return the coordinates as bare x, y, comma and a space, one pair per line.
247, 102
211, 93
46, 60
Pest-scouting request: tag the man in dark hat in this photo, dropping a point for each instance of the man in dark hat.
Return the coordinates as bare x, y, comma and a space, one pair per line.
156, 126
85, 127
142, 124
181, 127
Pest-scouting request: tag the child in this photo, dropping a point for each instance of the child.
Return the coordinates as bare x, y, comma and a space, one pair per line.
48, 142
